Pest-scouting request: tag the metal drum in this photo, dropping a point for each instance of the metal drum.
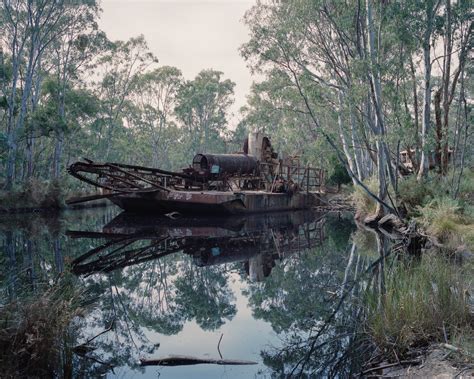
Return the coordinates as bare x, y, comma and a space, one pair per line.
225, 163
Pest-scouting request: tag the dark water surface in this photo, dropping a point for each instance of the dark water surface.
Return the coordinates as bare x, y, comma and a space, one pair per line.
280, 289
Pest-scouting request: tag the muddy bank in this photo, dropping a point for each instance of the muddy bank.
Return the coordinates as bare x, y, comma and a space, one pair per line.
437, 363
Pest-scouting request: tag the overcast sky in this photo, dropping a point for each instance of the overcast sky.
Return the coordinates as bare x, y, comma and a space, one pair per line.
189, 34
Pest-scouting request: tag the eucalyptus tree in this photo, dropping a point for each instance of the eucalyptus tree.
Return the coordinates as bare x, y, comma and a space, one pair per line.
329, 52
71, 56
456, 35
431, 7
275, 107
42, 40
118, 68
203, 109
29, 29
154, 95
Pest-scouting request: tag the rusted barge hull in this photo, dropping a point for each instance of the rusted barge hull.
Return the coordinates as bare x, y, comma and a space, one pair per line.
214, 202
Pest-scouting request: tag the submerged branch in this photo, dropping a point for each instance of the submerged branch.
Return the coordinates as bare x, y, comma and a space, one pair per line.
184, 360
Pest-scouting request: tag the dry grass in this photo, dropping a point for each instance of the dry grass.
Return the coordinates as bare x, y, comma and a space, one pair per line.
32, 333
364, 204
444, 219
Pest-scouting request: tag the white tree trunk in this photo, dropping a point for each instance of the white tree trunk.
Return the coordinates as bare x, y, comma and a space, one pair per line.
426, 122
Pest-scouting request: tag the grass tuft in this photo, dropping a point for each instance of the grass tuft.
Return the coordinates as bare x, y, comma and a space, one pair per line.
423, 303
32, 332
362, 202
444, 219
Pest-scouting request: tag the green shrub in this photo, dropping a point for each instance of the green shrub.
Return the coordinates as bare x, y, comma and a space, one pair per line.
339, 175
413, 193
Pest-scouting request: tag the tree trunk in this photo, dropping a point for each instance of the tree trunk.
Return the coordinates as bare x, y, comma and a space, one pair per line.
416, 116
439, 129
342, 135
356, 147
58, 150
426, 122
446, 77
377, 105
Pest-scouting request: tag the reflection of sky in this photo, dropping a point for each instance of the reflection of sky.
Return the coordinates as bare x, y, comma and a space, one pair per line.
243, 338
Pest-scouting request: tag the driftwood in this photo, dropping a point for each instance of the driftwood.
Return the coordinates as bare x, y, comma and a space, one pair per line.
83, 199
184, 360
389, 365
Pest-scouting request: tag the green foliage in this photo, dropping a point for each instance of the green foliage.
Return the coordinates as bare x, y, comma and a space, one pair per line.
413, 193
466, 186
341, 227
450, 220
275, 108
440, 215
339, 174
421, 302
202, 107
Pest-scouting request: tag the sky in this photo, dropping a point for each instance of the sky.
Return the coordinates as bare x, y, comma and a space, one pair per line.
189, 34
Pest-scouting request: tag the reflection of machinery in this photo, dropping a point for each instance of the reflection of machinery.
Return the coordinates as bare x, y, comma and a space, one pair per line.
256, 240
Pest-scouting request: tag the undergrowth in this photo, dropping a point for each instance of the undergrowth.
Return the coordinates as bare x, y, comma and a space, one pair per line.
423, 302
433, 204
444, 219
43, 194
34, 194
362, 202
32, 332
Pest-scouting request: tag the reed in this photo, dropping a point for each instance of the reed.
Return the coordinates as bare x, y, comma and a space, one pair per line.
33, 332
422, 303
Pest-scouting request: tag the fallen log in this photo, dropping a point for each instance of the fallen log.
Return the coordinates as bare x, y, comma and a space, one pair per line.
83, 199
184, 360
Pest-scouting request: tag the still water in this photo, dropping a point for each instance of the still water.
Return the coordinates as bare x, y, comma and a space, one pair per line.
280, 289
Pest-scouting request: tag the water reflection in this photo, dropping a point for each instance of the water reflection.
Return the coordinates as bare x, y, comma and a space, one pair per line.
257, 241
155, 286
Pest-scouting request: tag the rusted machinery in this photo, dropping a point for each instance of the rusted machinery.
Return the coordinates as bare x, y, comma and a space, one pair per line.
213, 179
230, 164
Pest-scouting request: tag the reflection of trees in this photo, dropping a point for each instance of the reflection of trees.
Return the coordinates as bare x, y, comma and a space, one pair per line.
310, 307
203, 294
311, 298
311, 301
150, 293
301, 287
33, 255
316, 304
160, 295
163, 294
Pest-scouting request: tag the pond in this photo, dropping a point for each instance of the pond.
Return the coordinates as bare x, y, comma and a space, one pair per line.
279, 289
